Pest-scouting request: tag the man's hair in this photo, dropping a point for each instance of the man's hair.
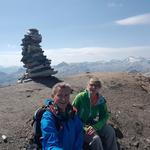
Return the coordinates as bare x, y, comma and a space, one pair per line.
95, 81
59, 86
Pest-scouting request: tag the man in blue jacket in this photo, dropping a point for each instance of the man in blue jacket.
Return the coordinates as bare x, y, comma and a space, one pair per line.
61, 128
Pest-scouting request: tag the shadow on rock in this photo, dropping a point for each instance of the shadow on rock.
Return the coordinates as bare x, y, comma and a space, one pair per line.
47, 81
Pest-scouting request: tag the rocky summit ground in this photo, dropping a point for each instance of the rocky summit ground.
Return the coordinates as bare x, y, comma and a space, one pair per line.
127, 95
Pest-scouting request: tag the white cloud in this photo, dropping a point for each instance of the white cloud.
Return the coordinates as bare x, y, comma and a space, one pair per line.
95, 53
79, 54
10, 58
135, 20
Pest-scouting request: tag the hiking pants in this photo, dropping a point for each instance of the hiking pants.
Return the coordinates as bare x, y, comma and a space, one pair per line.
105, 139
93, 142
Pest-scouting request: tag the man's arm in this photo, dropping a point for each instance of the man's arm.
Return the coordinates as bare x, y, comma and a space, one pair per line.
79, 134
50, 139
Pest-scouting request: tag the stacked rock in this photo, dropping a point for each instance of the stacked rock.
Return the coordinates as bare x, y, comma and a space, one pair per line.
36, 63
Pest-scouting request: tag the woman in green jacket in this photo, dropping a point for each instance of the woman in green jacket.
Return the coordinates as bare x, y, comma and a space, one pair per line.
92, 110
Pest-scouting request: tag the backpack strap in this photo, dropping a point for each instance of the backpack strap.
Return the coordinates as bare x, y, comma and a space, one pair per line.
39, 112
71, 110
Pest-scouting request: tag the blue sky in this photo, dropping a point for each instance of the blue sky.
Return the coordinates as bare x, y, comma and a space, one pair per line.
76, 30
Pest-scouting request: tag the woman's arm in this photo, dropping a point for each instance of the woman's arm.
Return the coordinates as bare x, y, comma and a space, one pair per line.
103, 117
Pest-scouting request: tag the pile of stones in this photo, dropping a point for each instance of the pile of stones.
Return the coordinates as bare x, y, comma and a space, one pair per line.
36, 64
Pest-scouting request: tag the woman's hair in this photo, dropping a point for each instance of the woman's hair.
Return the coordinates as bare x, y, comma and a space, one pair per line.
59, 86
95, 81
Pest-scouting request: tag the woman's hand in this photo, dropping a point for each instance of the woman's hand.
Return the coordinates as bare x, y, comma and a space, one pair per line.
90, 130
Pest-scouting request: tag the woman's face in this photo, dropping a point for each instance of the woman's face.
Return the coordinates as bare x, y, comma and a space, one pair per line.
93, 88
62, 97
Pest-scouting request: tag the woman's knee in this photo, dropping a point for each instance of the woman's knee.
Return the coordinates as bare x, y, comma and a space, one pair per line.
111, 129
108, 131
96, 143
96, 138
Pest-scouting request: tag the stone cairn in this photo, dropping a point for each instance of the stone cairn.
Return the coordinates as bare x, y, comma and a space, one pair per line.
36, 63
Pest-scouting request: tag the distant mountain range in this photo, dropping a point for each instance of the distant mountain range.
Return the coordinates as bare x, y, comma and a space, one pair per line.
131, 64
10, 75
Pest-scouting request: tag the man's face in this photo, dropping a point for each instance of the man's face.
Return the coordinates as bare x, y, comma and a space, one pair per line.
62, 97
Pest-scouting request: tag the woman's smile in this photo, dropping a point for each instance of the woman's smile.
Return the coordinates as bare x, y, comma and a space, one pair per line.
63, 102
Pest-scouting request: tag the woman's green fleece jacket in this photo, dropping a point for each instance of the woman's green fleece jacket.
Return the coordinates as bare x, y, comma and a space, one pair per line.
96, 115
